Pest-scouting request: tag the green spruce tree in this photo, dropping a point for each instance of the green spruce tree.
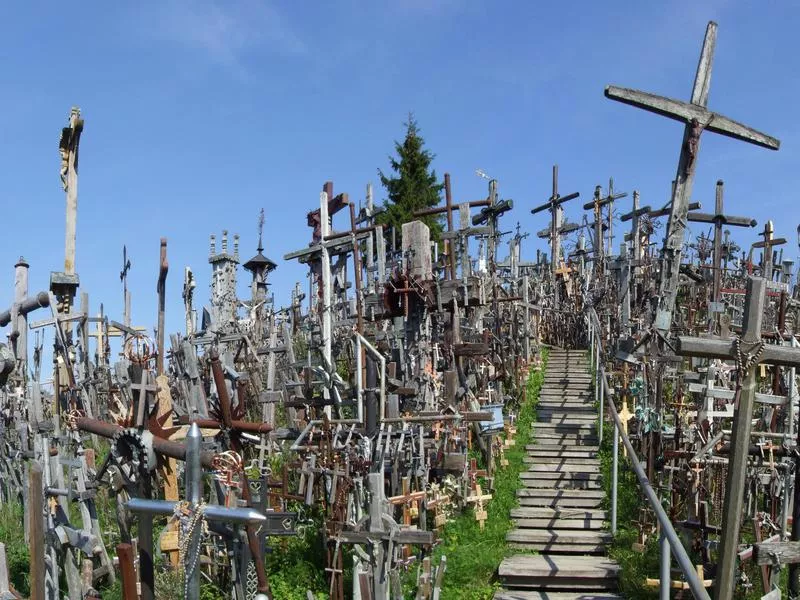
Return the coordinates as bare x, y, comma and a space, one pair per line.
412, 187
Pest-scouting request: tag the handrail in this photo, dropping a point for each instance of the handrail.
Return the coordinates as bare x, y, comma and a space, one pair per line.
671, 538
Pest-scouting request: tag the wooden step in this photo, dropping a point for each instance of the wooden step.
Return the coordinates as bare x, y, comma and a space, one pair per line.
563, 514
565, 467
565, 438
562, 484
560, 460
558, 501
556, 476
574, 452
559, 572
569, 419
536, 595
582, 524
553, 540
556, 447
556, 426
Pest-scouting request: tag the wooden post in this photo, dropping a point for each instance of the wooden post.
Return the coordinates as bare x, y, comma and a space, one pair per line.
36, 531
126, 567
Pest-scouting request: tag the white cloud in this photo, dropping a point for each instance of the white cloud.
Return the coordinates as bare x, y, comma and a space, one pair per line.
227, 30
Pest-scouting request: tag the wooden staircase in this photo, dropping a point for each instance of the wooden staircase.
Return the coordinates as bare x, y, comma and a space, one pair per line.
559, 513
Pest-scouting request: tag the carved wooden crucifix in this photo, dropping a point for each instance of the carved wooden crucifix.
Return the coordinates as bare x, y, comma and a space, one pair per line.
696, 118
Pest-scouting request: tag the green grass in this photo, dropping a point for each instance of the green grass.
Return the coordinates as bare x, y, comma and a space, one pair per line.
474, 555
636, 565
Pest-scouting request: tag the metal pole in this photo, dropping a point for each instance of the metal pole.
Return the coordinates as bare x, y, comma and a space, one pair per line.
194, 482
614, 477
664, 563
602, 394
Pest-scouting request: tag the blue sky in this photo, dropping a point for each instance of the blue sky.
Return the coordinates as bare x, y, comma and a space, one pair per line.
200, 112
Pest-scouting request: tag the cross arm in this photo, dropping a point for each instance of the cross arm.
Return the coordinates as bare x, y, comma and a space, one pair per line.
666, 210
697, 217
636, 213
598, 203
726, 349
685, 112
770, 243
553, 202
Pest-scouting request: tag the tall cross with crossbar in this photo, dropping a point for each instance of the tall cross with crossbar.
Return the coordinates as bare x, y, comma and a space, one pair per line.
696, 118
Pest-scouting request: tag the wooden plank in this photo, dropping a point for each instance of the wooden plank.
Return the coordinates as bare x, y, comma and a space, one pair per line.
772, 553
554, 567
36, 532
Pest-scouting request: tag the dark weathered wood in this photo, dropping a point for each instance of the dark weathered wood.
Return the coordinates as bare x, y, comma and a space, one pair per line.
773, 553
36, 531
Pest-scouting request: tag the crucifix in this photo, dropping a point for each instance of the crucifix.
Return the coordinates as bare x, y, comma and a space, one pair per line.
719, 218
747, 351
696, 118
126, 295
767, 244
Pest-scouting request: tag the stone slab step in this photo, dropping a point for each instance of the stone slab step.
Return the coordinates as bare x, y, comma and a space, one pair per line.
580, 514
566, 467
555, 572
535, 595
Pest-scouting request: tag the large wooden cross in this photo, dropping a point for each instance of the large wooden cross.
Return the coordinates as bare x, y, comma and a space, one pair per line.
553, 204
736, 481
696, 118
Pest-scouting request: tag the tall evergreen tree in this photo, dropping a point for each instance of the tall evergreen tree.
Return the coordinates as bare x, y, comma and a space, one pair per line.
413, 186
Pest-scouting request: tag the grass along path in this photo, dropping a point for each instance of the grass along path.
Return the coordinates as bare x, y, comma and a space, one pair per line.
474, 555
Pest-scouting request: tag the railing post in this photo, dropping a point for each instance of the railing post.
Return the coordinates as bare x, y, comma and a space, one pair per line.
602, 376
614, 477
664, 570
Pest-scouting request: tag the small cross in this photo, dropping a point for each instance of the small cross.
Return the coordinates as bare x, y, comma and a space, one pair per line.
478, 498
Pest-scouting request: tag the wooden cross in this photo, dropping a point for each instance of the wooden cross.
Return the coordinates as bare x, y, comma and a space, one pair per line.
696, 118
439, 502
625, 415
597, 205
478, 498
743, 411
682, 585
767, 244
553, 204
719, 218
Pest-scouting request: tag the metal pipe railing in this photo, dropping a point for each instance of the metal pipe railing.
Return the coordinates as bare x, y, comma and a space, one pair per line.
670, 542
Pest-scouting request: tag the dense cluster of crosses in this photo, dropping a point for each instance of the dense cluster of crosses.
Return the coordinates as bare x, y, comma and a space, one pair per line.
361, 399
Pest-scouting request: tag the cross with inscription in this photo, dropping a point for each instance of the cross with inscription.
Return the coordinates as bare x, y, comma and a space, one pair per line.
696, 118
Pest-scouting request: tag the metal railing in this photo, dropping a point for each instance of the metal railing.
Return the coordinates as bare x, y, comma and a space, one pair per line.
669, 542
